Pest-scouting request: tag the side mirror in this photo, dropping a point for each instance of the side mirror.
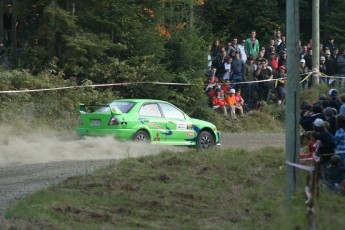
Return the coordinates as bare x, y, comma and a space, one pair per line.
114, 110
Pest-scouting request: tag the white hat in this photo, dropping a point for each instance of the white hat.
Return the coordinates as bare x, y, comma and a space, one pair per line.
302, 60
333, 92
232, 90
318, 122
322, 58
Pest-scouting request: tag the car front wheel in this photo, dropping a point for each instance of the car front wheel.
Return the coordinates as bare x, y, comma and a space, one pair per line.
141, 136
205, 140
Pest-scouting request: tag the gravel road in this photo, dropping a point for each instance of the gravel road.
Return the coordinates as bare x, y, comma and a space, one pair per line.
23, 172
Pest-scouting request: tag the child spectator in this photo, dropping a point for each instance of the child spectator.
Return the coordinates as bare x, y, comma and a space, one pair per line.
280, 86
335, 174
218, 104
239, 99
310, 137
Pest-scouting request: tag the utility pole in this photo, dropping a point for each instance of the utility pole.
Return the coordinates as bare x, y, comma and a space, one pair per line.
292, 140
316, 41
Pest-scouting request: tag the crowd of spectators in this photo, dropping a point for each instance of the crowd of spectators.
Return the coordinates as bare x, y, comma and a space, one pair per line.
260, 70
324, 126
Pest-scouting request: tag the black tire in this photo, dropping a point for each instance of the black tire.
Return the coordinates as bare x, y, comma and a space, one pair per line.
205, 140
141, 136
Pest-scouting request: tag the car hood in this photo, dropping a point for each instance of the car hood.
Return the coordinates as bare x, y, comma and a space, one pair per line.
201, 123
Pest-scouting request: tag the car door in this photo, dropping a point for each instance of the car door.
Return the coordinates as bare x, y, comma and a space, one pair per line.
150, 115
178, 125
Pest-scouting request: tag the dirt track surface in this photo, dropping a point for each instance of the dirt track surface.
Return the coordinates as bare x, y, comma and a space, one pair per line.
19, 177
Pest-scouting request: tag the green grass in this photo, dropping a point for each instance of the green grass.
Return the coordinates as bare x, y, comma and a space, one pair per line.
217, 189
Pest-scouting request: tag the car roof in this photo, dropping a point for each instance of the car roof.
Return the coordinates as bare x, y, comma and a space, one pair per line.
140, 100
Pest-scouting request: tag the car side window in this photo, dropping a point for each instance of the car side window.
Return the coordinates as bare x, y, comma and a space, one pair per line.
150, 109
170, 111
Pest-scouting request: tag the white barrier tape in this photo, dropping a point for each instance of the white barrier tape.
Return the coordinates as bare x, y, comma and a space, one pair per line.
87, 86
304, 167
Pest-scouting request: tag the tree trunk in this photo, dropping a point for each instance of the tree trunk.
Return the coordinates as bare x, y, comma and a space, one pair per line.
1, 22
14, 34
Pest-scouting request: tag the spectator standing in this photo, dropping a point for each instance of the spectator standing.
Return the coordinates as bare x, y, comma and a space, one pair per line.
341, 70
215, 49
308, 59
228, 48
331, 65
277, 38
329, 44
228, 69
252, 45
282, 47
243, 54
304, 52
269, 47
283, 59
264, 73
234, 47
248, 76
280, 86
323, 70
218, 63
237, 66
303, 71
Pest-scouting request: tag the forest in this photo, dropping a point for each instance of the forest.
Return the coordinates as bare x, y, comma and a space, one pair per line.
59, 43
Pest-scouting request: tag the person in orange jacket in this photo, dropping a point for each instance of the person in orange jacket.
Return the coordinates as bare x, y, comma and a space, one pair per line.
232, 105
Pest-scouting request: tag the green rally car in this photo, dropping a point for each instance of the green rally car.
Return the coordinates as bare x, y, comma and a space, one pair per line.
154, 121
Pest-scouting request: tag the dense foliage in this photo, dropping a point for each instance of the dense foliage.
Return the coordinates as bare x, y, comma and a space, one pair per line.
66, 42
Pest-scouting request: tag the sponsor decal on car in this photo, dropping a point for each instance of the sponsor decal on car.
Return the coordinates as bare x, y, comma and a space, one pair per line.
157, 138
190, 133
154, 125
181, 126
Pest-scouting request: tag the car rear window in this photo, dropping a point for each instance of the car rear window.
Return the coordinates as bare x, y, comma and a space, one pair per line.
124, 106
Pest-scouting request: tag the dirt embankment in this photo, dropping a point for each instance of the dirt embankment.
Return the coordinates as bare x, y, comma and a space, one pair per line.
29, 163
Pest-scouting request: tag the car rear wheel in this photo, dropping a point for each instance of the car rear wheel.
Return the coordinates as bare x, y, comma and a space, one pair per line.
205, 140
141, 136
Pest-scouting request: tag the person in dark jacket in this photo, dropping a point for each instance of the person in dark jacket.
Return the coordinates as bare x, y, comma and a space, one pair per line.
308, 118
326, 142
334, 102
330, 116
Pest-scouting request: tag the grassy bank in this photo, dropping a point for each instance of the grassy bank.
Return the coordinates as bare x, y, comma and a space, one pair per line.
230, 189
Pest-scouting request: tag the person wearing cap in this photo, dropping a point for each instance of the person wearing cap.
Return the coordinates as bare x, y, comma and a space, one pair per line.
304, 71
232, 105
341, 69
334, 102
323, 70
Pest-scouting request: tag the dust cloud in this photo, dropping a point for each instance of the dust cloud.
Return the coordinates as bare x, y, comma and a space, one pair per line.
37, 146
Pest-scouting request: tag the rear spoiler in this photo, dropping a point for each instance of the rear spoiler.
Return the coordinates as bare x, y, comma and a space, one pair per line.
113, 109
